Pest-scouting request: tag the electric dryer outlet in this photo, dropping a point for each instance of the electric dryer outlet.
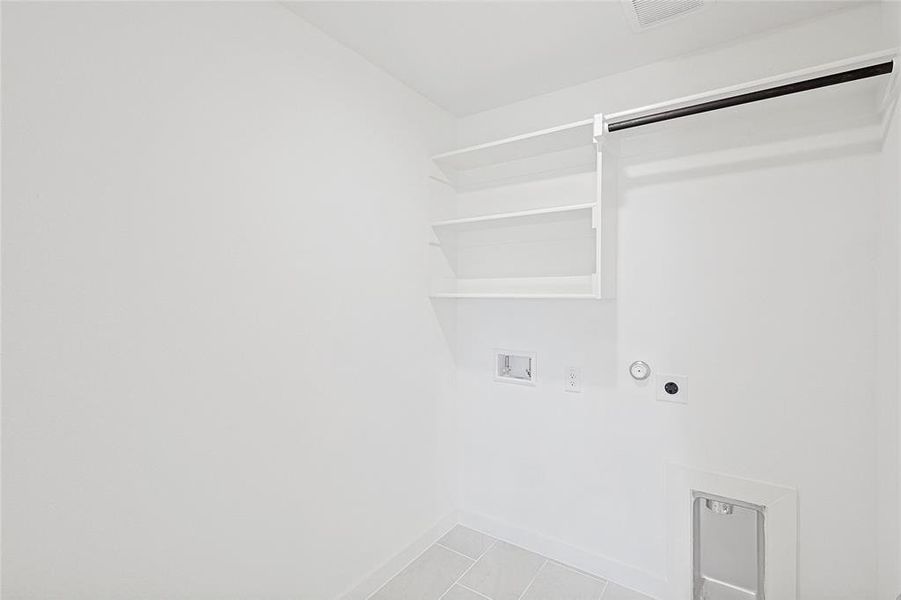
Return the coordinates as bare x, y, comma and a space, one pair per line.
672, 388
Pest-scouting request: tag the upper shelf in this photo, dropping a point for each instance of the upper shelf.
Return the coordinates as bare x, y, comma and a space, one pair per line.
554, 139
558, 150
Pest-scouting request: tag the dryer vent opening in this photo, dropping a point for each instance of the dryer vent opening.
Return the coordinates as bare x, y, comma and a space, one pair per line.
728, 549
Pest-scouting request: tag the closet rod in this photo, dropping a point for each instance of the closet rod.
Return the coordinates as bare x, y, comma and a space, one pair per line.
773, 92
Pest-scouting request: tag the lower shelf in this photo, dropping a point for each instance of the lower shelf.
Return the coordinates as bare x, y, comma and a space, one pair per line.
574, 287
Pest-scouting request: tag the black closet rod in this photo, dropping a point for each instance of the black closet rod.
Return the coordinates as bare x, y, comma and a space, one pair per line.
773, 92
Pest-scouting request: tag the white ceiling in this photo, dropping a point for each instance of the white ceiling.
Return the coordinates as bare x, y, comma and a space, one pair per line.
471, 56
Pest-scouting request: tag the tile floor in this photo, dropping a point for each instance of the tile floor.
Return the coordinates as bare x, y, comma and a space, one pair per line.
468, 565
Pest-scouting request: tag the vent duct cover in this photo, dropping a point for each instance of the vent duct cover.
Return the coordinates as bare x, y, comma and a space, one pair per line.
648, 13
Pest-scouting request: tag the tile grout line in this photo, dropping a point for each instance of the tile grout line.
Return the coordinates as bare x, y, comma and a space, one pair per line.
468, 569
641, 595
476, 592
534, 577
456, 552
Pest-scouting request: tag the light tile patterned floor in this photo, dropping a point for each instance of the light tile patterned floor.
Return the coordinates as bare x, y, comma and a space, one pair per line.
468, 565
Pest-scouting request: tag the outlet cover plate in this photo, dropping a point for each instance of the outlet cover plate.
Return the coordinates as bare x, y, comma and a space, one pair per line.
572, 380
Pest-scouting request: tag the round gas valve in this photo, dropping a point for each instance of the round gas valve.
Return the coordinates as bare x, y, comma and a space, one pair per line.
639, 370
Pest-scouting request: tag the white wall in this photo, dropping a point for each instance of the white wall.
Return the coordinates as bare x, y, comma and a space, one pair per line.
892, 548
758, 283
222, 376
888, 393
887, 389
889, 336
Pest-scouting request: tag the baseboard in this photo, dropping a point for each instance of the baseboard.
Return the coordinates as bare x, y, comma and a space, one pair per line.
601, 566
376, 579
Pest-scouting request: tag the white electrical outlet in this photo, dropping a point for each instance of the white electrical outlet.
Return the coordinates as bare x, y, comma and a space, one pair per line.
572, 379
672, 388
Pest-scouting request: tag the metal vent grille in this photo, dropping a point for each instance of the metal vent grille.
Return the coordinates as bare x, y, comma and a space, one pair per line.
651, 12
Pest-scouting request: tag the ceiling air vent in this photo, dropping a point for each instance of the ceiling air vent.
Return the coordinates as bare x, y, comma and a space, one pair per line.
648, 13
